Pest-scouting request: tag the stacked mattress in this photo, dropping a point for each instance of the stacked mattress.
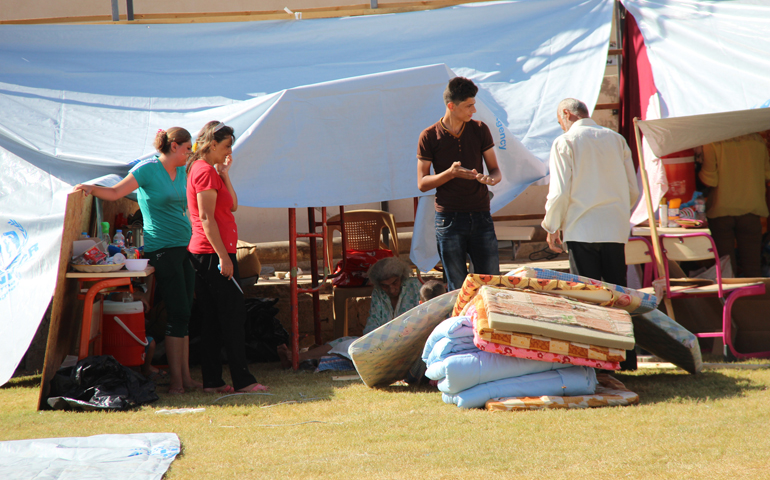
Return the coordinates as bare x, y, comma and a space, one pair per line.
482, 355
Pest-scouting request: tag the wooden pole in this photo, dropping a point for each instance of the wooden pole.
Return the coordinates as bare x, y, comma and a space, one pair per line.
65, 324
651, 214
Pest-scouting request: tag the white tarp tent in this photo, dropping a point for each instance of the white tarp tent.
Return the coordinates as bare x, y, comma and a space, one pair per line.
706, 56
326, 111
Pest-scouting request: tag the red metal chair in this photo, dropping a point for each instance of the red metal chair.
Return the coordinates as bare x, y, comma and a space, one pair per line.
700, 246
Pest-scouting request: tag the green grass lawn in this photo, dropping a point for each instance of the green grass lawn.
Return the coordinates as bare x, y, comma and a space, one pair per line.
710, 426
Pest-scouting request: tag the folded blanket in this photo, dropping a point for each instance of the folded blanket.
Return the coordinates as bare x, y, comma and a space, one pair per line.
447, 347
453, 335
334, 362
463, 371
571, 381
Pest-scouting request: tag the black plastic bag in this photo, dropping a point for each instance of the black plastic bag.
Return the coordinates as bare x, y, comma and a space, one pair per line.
264, 332
99, 383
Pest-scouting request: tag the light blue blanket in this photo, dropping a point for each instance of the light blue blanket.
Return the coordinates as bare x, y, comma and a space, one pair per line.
450, 336
453, 359
447, 347
565, 382
462, 371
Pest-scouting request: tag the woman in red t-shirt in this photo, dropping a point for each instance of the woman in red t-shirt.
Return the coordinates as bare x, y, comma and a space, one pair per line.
212, 201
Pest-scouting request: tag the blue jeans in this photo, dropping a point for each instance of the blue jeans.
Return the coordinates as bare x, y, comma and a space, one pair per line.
466, 233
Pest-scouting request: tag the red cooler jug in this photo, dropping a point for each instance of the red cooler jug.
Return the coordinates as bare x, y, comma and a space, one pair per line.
127, 344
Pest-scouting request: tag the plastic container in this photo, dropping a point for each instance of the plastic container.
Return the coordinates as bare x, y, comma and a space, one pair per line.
680, 172
136, 264
119, 240
673, 212
663, 213
127, 349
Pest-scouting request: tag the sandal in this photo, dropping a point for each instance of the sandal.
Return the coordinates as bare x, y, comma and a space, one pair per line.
223, 389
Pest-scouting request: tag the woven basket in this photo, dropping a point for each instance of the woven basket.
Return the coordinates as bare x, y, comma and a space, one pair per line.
98, 268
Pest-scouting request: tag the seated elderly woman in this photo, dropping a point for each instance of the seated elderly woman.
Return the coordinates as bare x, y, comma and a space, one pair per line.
395, 292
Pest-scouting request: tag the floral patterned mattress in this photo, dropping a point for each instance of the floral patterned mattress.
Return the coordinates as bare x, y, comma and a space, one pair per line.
596, 294
630, 300
537, 347
609, 393
557, 317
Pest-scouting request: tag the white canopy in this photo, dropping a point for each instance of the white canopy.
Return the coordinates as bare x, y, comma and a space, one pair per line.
706, 56
327, 112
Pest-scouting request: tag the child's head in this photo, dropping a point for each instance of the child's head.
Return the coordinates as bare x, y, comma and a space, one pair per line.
431, 289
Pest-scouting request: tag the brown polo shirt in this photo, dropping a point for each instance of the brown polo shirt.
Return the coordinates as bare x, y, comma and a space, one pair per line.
440, 147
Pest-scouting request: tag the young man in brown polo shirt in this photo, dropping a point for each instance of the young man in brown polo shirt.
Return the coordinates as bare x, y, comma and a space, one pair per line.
458, 147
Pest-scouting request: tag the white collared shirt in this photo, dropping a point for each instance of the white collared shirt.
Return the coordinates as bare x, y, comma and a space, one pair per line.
593, 185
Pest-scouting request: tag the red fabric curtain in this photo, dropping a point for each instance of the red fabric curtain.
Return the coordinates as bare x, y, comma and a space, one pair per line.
636, 82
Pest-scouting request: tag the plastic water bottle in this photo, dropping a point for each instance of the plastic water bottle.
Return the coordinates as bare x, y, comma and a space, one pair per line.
119, 240
663, 212
105, 238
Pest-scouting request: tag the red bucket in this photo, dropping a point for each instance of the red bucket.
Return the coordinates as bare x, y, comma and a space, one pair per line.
680, 172
127, 349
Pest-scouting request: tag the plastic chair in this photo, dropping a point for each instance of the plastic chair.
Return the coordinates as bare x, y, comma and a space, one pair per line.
639, 252
363, 231
700, 246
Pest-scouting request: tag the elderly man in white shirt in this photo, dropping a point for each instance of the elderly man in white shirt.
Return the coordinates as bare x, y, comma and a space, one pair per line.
593, 188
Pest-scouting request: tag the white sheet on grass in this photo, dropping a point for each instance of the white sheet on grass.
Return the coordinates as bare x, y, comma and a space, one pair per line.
137, 456
327, 111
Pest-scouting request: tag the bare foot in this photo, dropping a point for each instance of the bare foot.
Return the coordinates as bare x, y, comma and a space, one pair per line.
285, 355
175, 391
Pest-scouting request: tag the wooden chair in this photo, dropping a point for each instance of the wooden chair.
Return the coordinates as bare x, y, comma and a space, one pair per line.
363, 231
700, 246
639, 252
